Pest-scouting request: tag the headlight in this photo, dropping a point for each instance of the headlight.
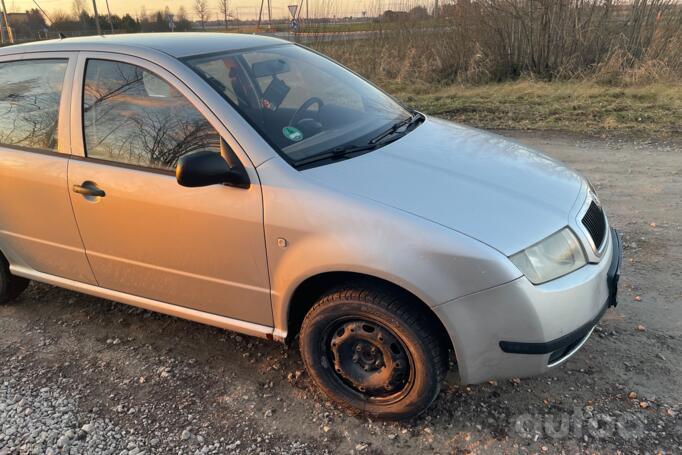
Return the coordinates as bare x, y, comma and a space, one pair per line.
555, 256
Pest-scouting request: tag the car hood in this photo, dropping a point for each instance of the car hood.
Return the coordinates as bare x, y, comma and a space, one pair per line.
480, 184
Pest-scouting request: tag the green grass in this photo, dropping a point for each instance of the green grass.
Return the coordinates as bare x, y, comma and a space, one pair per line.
582, 107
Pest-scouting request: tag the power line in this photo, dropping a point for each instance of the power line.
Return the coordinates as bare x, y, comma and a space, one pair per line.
44, 13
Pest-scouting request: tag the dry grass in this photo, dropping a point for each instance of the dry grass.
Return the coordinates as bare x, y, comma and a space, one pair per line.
615, 42
653, 110
587, 66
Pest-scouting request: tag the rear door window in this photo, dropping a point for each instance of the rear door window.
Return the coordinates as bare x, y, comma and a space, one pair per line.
30, 92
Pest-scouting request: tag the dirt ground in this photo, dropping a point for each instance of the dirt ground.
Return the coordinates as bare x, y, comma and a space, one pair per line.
115, 379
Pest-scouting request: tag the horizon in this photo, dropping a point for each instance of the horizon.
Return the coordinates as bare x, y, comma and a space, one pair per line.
240, 9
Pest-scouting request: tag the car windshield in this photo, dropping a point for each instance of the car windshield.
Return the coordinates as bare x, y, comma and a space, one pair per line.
303, 104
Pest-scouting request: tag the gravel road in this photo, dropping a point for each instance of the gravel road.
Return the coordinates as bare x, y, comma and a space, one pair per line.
84, 375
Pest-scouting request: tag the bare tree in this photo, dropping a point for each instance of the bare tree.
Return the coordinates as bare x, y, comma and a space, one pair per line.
201, 8
80, 11
78, 7
224, 8
143, 13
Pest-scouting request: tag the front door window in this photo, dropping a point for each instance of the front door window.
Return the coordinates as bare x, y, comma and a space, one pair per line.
132, 116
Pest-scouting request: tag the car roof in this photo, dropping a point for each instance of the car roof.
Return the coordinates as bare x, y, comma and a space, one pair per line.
176, 44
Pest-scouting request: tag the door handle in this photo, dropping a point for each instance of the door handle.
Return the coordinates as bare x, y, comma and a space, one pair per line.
89, 189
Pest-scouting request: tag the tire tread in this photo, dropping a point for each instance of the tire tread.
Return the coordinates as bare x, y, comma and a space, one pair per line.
397, 304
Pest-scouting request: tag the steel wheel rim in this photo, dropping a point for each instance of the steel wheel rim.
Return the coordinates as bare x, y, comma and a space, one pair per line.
368, 359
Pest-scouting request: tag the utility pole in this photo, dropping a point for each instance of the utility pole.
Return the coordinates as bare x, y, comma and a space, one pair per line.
260, 14
111, 24
10, 35
94, 10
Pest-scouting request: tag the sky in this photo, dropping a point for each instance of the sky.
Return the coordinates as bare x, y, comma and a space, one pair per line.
243, 9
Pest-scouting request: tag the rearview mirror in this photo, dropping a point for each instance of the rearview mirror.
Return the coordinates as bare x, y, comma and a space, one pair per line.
206, 168
269, 68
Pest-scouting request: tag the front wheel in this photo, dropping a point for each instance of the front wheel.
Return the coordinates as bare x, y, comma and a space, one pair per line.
373, 352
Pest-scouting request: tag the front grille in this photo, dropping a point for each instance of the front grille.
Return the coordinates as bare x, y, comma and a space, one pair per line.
595, 223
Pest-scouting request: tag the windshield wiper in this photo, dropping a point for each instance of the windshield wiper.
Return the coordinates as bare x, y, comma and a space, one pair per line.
344, 151
414, 119
335, 154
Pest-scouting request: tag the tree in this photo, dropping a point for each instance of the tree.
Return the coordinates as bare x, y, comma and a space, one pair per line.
79, 11
35, 23
168, 16
144, 20
201, 8
418, 13
63, 22
160, 25
182, 24
77, 7
224, 8
129, 24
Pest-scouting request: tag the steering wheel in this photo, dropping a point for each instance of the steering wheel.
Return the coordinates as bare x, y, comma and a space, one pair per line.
298, 115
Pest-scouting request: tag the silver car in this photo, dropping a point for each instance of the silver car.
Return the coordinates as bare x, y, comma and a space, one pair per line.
252, 184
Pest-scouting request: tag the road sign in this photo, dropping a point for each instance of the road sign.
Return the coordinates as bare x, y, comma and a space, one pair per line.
292, 10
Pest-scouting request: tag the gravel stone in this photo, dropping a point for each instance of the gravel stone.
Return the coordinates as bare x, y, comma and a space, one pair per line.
164, 386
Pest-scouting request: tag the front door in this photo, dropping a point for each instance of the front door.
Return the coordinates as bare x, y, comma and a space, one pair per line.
145, 235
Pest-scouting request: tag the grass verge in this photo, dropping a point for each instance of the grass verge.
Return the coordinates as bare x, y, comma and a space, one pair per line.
582, 107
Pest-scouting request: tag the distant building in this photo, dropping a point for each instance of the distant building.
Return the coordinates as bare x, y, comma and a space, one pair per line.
17, 19
28, 25
394, 16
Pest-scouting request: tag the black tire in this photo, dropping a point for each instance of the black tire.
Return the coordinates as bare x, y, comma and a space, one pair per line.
373, 352
10, 286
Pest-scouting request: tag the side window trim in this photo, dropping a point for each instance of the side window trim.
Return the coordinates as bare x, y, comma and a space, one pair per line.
77, 134
132, 167
63, 116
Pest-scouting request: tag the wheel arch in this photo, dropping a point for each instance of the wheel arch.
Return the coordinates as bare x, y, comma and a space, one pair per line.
312, 288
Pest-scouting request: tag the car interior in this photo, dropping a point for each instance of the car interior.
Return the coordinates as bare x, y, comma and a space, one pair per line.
259, 91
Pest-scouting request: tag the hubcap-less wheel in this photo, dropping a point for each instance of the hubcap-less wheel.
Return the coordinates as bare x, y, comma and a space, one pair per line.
374, 351
370, 359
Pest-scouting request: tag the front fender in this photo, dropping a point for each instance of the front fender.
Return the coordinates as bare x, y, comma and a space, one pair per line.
311, 229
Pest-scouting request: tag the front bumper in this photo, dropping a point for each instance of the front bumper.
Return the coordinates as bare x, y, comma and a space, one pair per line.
520, 329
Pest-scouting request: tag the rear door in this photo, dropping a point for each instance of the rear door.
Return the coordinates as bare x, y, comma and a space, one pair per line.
37, 226
145, 235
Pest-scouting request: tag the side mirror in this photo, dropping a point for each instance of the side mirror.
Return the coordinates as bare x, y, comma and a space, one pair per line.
206, 168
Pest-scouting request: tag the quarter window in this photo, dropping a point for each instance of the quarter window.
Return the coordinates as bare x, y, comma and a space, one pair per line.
30, 92
132, 116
